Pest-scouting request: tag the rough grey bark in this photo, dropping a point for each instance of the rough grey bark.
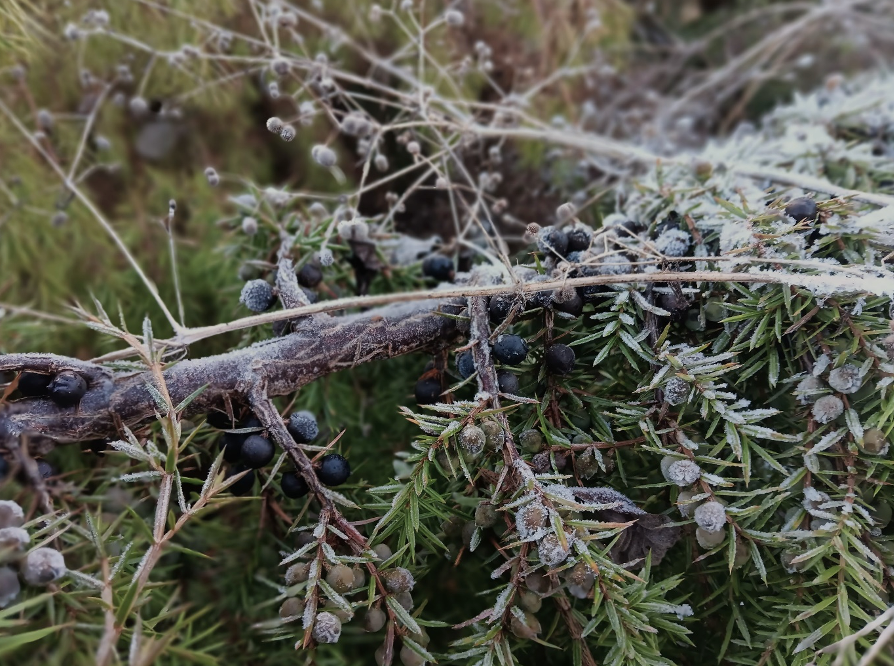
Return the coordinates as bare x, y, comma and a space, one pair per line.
321, 345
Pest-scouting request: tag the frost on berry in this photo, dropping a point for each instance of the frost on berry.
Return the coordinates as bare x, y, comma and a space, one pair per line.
827, 409
327, 628
11, 514
530, 521
710, 516
257, 295
323, 155
454, 18
398, 580
845, 379
709, 540
683, 473
212, 177
673, 243
551, 551
43, 566
9, 586
287, 133
297, 573
676, 391
274, 125
472, 439
809, 389
325, 257
13, 538
249, 226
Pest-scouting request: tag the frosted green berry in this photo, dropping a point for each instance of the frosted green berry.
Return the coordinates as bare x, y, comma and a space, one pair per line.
874, 441
43, 566
527, 629
292, 607
297, 573
374, 620
382, 551
472, 439
341, 578
486, 515
531, 441
398, 580
327, 628
709, 540
530, 601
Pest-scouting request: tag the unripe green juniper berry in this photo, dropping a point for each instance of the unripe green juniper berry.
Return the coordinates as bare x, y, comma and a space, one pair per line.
297, 573
531, 441
472, 439
294, 485
486, 515
292, 607
67, 388
374, 620
802, 208
382, 551
244, 485
710, 516
438, 267
560, 359
510, 349
33, 384
9, 586
256, 451
676, 391
398, 580
303, 427
827, 409
507, 381
845, 379
465, 364
874, 441
257, 296
341, 578
11, 514
334, 469
327, 628
310, 276
42, 566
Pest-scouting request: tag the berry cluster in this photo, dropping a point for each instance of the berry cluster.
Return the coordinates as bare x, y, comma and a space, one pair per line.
37, 567
247, 449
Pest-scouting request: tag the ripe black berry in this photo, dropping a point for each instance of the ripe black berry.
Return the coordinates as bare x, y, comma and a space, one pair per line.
244, 485
552, 241
578, 239
293, 485
499, 308
439, 267
510, 349
507, 381
465, 364
676, 304
573, 306
560, 359
67, 388
257, 296
802, 208
232, 442
310, 276
334, 470
256, 451
303, 427
45, 469
219, 420
428, 391
32, 384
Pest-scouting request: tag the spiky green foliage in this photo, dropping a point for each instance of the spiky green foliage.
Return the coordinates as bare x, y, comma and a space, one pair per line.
684, 391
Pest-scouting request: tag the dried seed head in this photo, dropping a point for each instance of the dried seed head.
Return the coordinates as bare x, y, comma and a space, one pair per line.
845, 379
324, 156
565, 212
398, 580
676, 391
274, 125
138, 106
454, 18
11, 514
683, 473
327, 628
43, 566
827, 409
212, 177
287, 133
710, 516
551, 551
